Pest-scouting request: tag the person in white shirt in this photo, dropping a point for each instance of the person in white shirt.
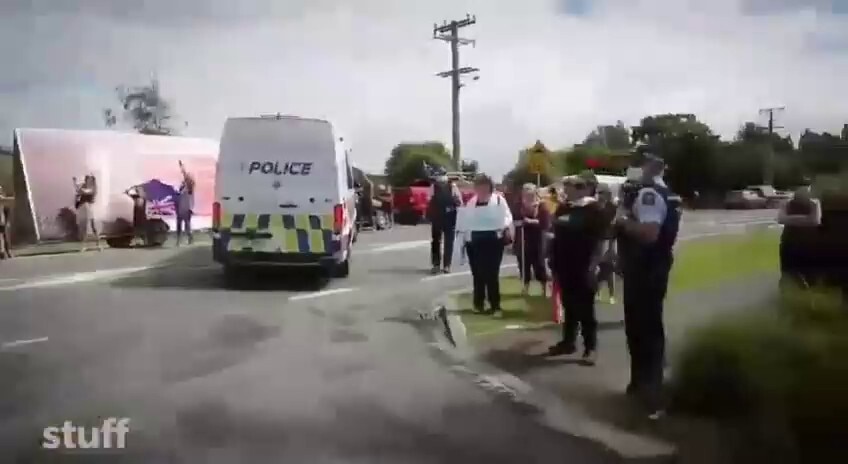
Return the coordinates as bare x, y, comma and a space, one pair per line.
485, 225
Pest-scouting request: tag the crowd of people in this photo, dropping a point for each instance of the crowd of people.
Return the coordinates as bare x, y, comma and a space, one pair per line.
571, 243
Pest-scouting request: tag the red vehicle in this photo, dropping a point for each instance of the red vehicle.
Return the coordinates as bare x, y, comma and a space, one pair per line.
410, 203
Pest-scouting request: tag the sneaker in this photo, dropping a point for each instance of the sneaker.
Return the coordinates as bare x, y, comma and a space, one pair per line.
435, 270
446, 270
479, 310
589, 358
561, 349
497, 313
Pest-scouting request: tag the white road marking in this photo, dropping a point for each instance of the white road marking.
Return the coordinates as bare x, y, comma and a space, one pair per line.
9, 280
309, 296
23, 342
457, 274
400, 246
78, 277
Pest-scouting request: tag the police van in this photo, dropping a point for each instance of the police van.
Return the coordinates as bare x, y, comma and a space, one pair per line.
284, 195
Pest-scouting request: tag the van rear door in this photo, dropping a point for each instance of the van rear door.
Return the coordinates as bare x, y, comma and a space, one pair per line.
280, 173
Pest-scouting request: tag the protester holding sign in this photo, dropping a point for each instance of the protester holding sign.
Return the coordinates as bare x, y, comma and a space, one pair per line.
485, 223
185, 205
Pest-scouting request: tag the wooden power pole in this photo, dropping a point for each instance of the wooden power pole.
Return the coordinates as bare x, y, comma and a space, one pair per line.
768, 175
449, 32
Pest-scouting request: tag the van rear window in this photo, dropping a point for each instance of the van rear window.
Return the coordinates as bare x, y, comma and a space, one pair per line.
282, 151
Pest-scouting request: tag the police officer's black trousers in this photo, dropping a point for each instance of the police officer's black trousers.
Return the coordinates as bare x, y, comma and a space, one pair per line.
485, 253
645, 286
578, 304
444, 227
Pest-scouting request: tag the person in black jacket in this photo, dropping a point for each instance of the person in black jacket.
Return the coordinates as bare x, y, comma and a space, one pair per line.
579, 229
441, 212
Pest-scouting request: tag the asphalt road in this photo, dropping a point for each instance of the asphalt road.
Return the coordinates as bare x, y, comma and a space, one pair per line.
283, 368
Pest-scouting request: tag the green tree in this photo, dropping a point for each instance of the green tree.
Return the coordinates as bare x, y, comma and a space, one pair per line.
823, 153
688, 147
406, 161
578, 158
145, 108
615, 137
521, 174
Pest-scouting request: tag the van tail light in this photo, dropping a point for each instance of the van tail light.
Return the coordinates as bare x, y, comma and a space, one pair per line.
338, 218
216, 215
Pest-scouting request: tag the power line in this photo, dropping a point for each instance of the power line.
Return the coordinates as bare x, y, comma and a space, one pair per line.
449, 32
768, 174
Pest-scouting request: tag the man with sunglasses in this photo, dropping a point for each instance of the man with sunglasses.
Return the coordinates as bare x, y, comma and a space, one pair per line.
647, 226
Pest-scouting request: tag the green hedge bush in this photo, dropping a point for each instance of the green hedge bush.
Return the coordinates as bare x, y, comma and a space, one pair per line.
777, 376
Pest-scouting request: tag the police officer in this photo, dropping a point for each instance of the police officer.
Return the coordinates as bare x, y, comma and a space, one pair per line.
647, 226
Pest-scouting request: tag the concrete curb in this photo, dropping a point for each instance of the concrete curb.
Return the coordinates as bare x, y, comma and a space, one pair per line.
76, 249
550, 410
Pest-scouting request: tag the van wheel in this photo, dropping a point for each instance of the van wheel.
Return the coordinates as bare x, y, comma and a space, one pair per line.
342, 270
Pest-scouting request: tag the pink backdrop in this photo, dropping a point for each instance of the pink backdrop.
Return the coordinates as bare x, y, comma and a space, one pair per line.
52, 157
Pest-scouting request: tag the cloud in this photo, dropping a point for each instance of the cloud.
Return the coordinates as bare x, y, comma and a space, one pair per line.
370, 65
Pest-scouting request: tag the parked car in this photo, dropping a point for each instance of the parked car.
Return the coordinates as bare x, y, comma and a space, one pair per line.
744, 199
774, 198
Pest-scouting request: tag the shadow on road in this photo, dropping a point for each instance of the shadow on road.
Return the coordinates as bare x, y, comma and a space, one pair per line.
194, 269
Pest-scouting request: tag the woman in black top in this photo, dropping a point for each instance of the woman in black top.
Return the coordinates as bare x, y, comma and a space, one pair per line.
86, 195
575, 255
532, 220
606, 271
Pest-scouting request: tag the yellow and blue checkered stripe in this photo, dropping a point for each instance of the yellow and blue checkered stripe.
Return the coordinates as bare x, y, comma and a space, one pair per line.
289, 233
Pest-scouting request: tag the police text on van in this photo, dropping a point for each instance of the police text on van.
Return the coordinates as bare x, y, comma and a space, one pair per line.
295, 168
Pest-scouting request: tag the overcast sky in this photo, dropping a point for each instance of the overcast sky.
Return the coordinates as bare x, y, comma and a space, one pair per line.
551, 69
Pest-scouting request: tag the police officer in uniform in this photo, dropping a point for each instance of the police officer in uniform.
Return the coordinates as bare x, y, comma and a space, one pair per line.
647, 227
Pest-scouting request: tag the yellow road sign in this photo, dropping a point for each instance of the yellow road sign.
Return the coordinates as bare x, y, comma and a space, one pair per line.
538, 158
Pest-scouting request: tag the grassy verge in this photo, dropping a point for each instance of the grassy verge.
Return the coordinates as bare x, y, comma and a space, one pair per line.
776, 375
698, 264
